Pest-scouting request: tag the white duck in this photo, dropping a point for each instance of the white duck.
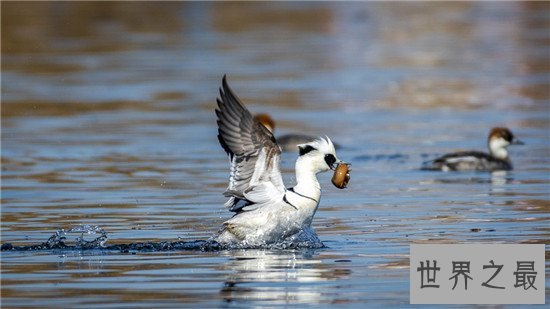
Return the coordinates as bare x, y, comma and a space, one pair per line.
266, 211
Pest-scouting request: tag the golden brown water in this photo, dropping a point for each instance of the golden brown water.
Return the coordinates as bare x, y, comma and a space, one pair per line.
108, 120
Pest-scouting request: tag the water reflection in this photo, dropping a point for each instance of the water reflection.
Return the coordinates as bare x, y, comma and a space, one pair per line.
88, 20
254, 276
499, 179
496, 178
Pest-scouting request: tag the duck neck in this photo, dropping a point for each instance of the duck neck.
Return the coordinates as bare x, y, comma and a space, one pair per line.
306, 180
498, 149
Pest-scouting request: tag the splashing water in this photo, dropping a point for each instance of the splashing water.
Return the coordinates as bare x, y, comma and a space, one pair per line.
59, 237
306, 238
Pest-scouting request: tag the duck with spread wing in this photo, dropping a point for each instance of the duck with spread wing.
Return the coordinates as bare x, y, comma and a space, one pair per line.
265, 210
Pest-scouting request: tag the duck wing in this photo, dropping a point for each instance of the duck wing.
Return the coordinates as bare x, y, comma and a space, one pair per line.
255, 178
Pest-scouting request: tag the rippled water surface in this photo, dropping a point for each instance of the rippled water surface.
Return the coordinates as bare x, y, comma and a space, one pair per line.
108, 120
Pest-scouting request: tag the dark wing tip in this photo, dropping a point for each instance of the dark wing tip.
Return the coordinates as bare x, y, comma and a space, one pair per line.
223, 91
223, 88
227, 90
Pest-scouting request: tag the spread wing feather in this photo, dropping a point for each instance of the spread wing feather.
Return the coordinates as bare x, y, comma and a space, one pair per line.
253, 153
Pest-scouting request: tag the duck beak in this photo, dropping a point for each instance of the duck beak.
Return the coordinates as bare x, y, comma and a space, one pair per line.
517, 142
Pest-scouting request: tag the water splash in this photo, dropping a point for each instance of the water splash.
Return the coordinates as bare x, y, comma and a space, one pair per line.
60, 236
305, 239
59, 240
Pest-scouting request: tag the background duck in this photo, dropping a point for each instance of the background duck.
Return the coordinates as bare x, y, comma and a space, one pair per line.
287, 142
497, 158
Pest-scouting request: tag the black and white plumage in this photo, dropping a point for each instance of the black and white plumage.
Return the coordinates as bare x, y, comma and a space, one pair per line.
496, 160
266, 211
469, 160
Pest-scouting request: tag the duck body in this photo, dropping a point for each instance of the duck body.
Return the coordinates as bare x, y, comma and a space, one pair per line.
496, 160
469, 161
